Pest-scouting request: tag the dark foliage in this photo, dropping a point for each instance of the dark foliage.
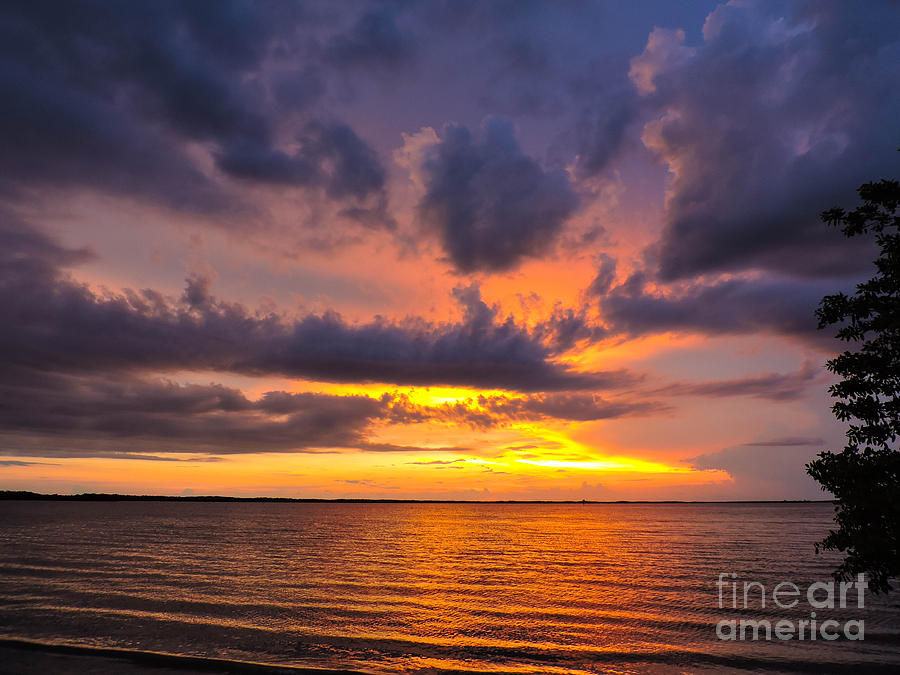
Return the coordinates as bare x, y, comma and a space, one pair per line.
865, 476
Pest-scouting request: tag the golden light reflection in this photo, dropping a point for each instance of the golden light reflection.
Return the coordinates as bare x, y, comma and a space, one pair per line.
424, 396
613, 464
439, 457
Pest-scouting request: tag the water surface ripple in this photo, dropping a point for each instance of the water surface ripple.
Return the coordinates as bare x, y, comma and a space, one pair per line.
426, 588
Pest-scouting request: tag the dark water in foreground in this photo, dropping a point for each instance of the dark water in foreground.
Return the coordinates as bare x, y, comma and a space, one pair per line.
415, 588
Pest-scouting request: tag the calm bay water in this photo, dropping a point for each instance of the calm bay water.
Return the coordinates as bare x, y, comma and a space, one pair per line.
416, 588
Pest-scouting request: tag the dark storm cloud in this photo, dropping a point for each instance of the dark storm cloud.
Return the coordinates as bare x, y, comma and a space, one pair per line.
298, 88
374, 41
107, 94
485, 412
771, 386
499, 410
787, 442
356, 170
491, 204
64, 137
781, 112
74, 414
580, 407
259, 162
126, 416
53, 322
25, 250
331, 156
600, 131
606, 275
121, 454
562, 61
735, 306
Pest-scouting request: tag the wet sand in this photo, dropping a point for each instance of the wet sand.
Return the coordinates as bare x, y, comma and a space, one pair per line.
24, 657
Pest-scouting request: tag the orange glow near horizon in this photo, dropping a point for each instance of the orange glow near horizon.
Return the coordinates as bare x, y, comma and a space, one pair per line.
534, 458
445, 454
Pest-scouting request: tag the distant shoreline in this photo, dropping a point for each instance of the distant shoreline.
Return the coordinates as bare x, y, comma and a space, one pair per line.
22, 495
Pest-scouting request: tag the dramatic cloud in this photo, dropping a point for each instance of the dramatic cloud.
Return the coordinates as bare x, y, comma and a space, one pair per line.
56, 323
772, 386
126, 416
330, 155
735, 306
601, 130
787, 442
566, 327
379, 193
483, 412
110, 95
374, 41
580, 407
606, 276
491, 204
780, 113
76, 414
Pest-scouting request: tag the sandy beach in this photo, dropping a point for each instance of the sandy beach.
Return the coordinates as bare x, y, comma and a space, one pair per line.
25, 657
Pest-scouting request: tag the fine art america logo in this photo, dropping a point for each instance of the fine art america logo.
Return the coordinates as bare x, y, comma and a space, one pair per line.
786, 595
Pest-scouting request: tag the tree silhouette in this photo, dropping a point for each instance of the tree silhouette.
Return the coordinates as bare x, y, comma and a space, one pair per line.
865, 476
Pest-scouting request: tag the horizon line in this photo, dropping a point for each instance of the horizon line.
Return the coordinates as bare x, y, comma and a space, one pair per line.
25, 495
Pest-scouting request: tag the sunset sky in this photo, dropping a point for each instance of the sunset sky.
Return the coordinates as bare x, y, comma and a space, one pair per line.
466, 250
